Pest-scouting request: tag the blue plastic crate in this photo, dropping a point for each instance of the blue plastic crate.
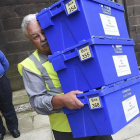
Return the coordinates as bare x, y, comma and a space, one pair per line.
106, 110
67, 22
94, 63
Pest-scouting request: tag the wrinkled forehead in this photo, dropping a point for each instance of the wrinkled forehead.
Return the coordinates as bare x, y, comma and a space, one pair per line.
33, 27
34, 23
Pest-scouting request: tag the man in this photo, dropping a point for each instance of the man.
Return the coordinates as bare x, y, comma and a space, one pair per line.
6, 105
43, 86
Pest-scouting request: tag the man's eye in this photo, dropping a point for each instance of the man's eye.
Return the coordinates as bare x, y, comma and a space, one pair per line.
35, 37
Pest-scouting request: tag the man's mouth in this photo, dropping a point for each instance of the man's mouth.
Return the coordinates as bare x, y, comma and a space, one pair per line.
45, 43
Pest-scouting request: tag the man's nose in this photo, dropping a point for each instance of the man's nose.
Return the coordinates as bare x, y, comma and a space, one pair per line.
42, 36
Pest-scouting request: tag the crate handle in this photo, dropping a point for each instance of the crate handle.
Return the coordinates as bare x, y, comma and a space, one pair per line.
70, 54
68, 111
56, 9
47, 14
85, 99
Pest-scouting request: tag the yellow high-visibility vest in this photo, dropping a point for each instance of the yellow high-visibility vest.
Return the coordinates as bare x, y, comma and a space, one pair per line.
58, 121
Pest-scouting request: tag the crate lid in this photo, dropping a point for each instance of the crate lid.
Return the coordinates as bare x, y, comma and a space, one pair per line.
119, 85
111, 4
113, 87
97, 40
105, 2
103, 40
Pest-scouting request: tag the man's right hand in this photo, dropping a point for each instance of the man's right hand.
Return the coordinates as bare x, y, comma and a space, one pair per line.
68, 100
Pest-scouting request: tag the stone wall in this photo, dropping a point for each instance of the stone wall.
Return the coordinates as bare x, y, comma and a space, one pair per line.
16, 46
133, 12
13, 43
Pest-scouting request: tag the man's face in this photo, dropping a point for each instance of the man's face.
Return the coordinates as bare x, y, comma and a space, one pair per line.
37, 37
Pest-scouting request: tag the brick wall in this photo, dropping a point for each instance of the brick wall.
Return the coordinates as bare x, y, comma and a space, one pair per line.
132, 8
13, 43
16, 46
133, 12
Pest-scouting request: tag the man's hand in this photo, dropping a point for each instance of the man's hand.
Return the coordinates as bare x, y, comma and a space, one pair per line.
68, 100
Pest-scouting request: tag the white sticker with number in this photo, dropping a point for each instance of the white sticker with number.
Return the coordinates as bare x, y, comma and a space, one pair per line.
94, 102
71, 6
85, 53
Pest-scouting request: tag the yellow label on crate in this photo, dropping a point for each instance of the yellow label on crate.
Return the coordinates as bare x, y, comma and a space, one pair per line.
95, 102
71, 6
85, 53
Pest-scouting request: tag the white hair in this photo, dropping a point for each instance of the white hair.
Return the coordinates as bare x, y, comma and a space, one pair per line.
26, 21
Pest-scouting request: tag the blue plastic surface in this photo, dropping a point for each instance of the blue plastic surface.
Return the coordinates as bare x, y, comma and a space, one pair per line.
110, 116
99, 69
64, 30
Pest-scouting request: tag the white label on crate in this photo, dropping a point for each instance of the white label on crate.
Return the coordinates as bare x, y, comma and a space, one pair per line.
94, 102
85, 53
130, 108
109, 25
71, 6
121, 65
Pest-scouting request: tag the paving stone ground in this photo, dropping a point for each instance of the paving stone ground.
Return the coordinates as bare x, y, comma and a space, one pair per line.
130, 132
38, 134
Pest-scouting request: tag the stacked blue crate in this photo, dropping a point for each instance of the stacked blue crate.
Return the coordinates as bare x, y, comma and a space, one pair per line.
106, 110
67, 22
92, 52
95, 63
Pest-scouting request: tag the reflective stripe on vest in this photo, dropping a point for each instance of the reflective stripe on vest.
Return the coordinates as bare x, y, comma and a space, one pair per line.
45, 75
